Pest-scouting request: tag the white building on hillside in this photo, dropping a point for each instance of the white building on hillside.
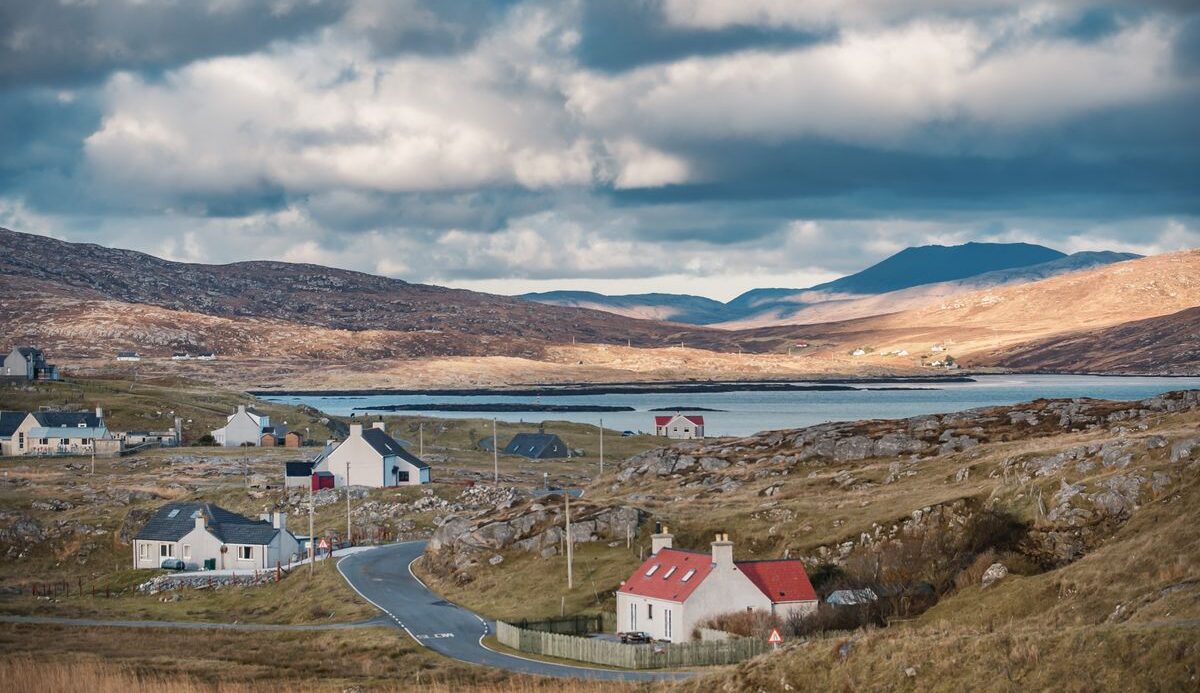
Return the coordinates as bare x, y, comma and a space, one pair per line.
674, 591
679, 426
374, 459
243, 427
203, 535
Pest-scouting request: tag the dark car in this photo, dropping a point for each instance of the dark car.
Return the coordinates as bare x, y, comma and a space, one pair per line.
627, 434
172, 564
633, 637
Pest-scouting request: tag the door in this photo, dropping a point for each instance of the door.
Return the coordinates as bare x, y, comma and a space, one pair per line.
632, 617
667, 623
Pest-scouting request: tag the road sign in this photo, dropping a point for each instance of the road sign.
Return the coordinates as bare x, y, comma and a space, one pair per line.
323, 544
775, 638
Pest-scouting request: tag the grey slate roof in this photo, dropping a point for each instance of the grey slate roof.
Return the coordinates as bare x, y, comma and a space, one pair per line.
299, 468
227, 526
61, 419
536, 446
386, 446
9, 421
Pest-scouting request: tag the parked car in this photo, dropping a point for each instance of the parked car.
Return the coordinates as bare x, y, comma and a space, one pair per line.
627, 434
172, 564
634, 637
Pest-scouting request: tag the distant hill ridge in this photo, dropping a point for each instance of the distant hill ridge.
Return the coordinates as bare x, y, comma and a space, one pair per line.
960, 268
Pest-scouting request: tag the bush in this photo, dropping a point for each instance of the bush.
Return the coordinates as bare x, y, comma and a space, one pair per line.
754, 623
205, 440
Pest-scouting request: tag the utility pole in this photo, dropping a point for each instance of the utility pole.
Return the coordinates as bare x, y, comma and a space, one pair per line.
570, 549
421, 440
93, 458
601, 447
312, 540
495, 455
347, 501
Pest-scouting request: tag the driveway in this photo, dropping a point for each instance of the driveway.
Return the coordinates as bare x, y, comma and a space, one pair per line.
382, 577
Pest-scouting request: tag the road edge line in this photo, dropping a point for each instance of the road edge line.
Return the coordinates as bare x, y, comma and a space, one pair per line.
338, 565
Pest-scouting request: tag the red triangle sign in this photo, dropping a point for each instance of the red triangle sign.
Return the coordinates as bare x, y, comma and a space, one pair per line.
775, 638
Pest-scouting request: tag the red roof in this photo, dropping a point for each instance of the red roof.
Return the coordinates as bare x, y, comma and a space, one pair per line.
781, 581
664, 420
666, 580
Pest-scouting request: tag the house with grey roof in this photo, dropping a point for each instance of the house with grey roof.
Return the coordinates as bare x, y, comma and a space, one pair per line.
243, 427
537, 446
49, 433
204, 535
372, 458
28, 363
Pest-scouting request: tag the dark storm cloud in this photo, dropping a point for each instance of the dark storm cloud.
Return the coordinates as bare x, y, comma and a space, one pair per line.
52, 42
622, 34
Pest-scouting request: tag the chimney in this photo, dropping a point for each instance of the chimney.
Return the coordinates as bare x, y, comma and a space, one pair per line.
279, 520
356, 430
241, 409
100, 414
201, 521
722, 551
661, 539
379, 425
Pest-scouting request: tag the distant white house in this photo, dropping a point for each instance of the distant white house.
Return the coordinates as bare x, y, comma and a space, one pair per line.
181, 356
243, 427
205, 535
128, 356
205, 356
371, 458
51, 433
679, 426
859, 352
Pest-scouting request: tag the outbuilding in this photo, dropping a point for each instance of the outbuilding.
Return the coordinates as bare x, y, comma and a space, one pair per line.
537, 446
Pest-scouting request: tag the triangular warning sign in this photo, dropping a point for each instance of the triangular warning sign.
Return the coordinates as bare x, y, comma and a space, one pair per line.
775, 638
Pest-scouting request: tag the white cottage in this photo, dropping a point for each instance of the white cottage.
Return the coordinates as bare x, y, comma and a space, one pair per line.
243, 427
372, 458
206, 535
679, 426
674, 591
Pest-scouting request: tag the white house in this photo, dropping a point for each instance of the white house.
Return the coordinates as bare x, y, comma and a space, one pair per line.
243, 427
679, 426
9, 422
674, 591
62, 433
198, 532
128, 356
372, 458
28, 363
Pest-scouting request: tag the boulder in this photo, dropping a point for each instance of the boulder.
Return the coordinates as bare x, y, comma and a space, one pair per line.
996, 571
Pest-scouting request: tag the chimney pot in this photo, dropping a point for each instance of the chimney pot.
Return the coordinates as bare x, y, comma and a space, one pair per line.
379, 425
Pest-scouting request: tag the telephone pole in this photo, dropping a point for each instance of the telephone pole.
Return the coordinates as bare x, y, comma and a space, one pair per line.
347, 502
312, 540
421, 440
495, 455
601, 447
570, 548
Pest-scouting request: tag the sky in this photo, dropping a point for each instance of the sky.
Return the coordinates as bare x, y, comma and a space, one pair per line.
623, 146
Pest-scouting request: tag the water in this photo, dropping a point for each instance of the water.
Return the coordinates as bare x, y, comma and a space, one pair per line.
748, 412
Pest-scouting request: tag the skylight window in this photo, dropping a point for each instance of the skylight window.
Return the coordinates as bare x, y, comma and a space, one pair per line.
688, 575
173, 513
653, 568
669, 573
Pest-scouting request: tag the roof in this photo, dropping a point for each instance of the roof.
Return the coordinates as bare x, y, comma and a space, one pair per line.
9, 421
53, 419
664, 420
300, 468
127, 353
851, 597
29, 351
68, 432
387, 446
667, 569
535, 445
173, 521
781, 581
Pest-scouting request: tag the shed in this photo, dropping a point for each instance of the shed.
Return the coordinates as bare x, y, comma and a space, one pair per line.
537, 446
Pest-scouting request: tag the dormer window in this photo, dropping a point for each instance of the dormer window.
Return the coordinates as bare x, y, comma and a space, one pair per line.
652, 570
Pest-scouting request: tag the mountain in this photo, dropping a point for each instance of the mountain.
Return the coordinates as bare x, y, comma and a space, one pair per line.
825, 309
696, 310
910, 278
320, 302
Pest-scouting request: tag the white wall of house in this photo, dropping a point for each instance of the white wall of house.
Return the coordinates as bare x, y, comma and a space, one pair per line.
785, 609
662, 619
241, 428
366, 464
680, 428
201, 544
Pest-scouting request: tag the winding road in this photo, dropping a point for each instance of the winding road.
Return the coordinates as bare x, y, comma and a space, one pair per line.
382, 576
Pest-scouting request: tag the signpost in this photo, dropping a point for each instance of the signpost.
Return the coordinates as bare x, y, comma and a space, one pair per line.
775, 638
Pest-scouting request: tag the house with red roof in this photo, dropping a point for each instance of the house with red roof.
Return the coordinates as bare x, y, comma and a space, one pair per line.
674, 590
679, 426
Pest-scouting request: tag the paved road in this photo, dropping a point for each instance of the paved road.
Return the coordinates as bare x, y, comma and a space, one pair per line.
382, 577
95, 622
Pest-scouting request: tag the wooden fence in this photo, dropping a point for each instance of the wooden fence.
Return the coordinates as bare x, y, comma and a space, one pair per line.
580, 624
615, 654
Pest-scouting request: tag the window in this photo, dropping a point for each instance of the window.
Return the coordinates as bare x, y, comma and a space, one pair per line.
669, 573
667, 624
652, 569
45, 441
21, 440
187, 551
143, 551
688, 575
245, 553
649, 612
402, 476
173, 513
166, 550
633, 617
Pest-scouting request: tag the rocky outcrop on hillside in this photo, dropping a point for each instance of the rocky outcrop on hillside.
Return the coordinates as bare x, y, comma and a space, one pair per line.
463, 543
